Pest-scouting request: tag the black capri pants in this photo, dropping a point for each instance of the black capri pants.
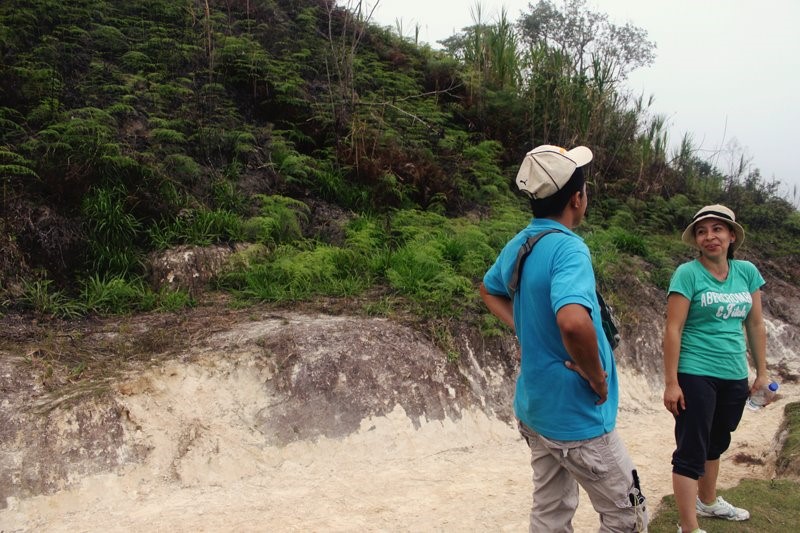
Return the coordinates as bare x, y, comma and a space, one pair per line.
703, 430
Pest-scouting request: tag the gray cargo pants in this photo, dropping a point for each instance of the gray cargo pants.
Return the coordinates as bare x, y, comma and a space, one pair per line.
601, 466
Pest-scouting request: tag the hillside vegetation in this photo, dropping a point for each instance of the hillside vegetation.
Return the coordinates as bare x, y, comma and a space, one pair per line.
353, 159
340, 166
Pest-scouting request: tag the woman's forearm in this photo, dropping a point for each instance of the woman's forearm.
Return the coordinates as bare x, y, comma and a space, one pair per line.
677, 310
672, 347
757, 335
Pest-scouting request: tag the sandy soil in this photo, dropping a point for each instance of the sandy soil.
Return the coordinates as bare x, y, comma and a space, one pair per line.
212, 472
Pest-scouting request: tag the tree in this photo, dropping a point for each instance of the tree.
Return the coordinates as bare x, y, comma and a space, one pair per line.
588, 38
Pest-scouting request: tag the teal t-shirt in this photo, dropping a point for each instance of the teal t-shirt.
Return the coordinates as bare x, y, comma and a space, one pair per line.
713, 341
550, 398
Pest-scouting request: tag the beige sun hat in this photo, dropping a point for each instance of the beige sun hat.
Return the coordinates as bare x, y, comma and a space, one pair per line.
547, 168
714, 211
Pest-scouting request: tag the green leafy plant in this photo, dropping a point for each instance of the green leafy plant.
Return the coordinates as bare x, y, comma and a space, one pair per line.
199, 227
294, 274
117, 295
14, 169
41, 297
154, 124
227, 197
114, 295
113, 231
443, 339
170, 301
280, 220
417, 270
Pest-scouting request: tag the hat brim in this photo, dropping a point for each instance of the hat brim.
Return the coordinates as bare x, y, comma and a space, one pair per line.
688, 233
580, 155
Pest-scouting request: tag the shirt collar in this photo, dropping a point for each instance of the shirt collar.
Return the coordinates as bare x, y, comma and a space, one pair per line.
547, 223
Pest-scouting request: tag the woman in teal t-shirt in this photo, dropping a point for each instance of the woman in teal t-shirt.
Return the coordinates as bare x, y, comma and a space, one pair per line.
705, 359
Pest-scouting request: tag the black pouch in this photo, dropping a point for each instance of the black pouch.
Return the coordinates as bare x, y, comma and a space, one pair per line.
610, 324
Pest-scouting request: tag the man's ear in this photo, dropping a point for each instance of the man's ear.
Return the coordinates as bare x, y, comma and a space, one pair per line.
575, 199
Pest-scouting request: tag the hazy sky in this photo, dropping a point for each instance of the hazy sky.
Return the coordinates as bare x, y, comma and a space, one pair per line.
725, 70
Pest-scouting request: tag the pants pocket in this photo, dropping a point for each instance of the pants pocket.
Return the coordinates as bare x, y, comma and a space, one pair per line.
589, 461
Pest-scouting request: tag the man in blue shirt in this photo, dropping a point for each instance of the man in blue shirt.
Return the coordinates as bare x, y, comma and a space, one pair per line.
566, 394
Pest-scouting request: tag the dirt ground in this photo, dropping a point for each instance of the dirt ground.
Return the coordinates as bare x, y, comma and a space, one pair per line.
267, 420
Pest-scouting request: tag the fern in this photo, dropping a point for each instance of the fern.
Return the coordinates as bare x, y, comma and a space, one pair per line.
281, 217
167, 136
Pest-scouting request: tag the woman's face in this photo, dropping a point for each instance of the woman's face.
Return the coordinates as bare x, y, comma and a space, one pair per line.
713, 237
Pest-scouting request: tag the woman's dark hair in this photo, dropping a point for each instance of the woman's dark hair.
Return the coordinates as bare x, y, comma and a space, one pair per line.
554, 205
730, 247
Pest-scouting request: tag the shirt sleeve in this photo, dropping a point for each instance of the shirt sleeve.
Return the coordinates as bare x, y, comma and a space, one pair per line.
755, 279
682, 282
573, 278
493, 280
496, 278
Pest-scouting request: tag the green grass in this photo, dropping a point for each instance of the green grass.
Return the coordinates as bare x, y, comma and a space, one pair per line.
42, 298
774, 504
789, 456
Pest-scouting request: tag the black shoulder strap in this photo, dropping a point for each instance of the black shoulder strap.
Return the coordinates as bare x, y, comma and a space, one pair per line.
522, 255
609, 321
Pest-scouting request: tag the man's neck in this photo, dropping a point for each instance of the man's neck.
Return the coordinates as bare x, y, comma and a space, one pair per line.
566, 218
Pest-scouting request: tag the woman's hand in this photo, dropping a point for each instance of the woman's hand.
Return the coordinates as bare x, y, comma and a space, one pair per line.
761, 382
673, 399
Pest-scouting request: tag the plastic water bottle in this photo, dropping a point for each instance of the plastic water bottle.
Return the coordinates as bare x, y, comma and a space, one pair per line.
762, 397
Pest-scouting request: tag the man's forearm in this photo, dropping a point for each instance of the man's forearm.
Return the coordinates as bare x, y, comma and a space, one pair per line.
499, 306
583, 350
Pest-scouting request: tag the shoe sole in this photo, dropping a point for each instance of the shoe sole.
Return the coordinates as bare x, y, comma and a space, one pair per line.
723, 517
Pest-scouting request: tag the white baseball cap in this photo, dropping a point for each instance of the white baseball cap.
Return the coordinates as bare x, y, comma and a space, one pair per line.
546, 169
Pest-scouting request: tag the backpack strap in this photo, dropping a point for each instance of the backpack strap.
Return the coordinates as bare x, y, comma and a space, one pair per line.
607, 318
524, 251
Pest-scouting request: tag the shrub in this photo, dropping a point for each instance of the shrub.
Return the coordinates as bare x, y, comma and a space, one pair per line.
40, 297
227, 197
368, 240
135, 61
182, 168
469, 252
419, 272
605, 255
167, 136
114, 295
199, 227
112, 230
487, 183
628, 242
296, 274
282, 218
169, 301
295, 168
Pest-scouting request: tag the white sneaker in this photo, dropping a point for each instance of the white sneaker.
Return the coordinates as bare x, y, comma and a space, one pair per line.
697, 530
721, 509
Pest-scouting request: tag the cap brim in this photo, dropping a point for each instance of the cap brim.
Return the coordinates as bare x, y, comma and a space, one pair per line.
580, 155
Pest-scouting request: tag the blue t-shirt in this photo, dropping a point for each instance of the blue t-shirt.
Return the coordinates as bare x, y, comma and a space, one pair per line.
713, 341
551, 399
